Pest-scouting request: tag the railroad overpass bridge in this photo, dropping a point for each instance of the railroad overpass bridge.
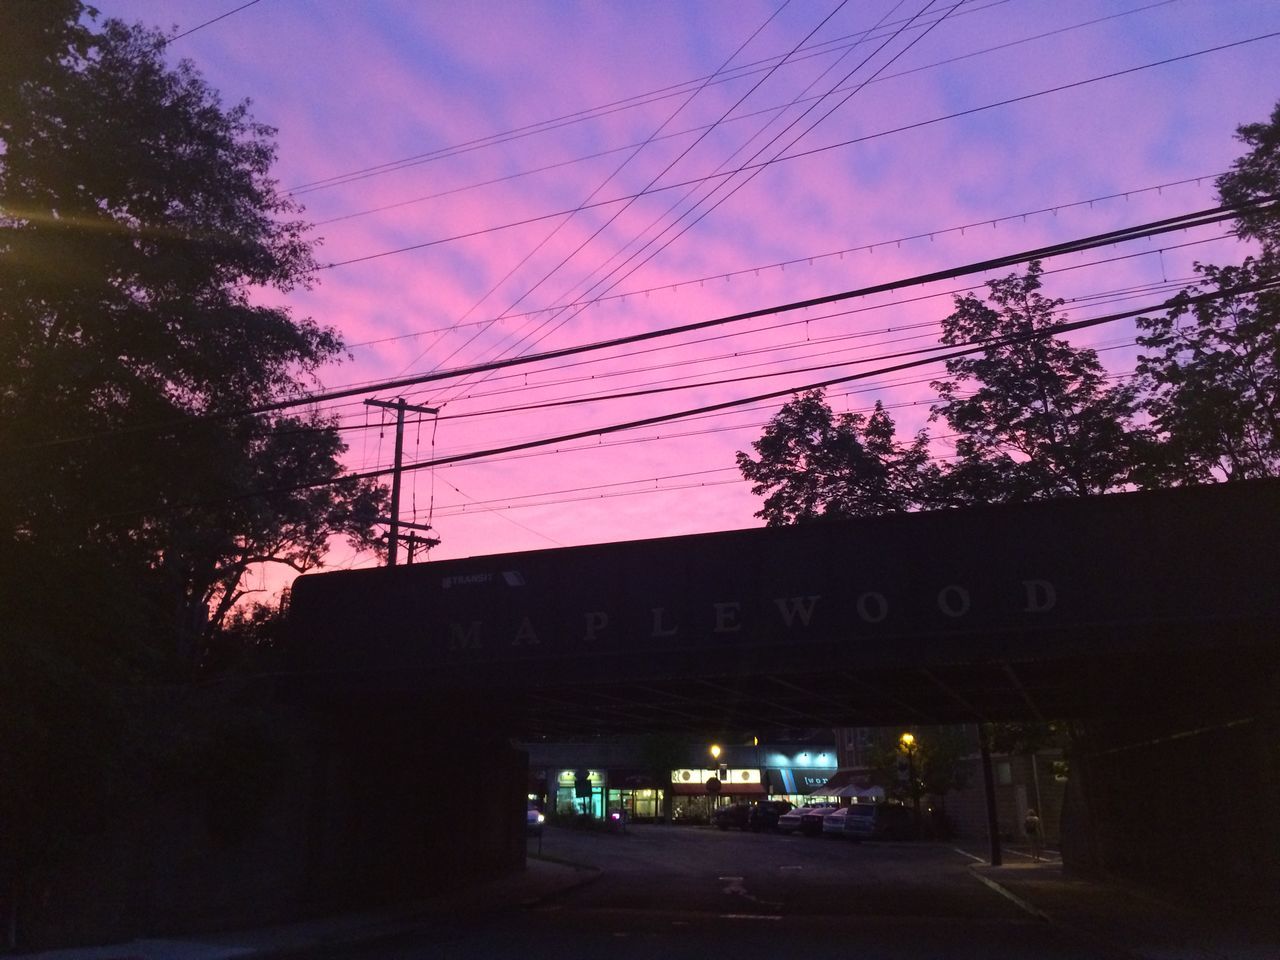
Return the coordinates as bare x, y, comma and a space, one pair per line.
1151, 618
1107, 607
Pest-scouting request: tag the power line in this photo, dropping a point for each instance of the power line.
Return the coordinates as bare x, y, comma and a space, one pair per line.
201, 26
560, 320
1105, 296
730, 404
809, 259
1153, 228
546, 168
639, 100
652, 181
1150, 229
795, 156
774, 394
604, 110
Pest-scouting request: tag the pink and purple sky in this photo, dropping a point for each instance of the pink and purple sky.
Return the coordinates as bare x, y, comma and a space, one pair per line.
410, 124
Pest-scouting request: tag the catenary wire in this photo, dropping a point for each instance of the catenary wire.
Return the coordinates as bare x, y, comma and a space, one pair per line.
805, 153
617, 213
546, 168
1150, 229
655, 419
201, 26
607, 109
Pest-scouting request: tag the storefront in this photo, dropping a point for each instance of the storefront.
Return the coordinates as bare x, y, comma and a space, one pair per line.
636, 794
695, 801
795, 783
580, 793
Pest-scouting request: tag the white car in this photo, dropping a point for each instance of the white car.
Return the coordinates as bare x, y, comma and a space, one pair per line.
790, 820
811, 823
834, 823
794, 819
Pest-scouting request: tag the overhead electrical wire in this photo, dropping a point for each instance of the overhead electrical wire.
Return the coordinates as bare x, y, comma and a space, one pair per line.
992, 222
626, 103
582, 158
1141, 231
787, 391
201, 26
868, 386
820, 343
803, 153
610, 281
640, 100
560, 320
603, 183
494, 505
604, 430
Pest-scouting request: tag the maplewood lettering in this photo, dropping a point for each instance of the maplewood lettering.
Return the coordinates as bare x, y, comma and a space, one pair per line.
723, 618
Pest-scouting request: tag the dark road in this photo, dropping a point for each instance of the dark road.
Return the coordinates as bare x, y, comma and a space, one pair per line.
698, 893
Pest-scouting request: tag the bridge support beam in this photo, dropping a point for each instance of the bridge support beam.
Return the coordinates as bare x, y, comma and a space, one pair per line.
989, 788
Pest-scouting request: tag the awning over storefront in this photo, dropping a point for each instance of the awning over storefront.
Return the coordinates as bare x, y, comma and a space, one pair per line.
726, 789
853, 784
796, 780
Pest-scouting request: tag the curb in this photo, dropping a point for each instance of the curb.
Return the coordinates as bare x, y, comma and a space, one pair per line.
591, 875
1010, 895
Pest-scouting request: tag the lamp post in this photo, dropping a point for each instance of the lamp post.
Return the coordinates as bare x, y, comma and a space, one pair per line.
714, 784
908, 744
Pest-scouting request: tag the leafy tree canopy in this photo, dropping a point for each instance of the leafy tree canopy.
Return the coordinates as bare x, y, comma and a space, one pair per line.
812, 464
1034, 414
138, 217
1211, 370
1256, 176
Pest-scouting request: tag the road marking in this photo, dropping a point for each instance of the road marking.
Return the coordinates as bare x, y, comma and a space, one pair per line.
966, 853
792, 867
1011, 896
749, 916
1043, 858
735, 887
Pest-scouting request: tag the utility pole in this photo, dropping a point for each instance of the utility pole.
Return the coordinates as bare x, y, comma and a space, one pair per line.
399, 406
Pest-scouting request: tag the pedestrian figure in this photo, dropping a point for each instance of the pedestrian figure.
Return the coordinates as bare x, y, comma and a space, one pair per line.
1031, 824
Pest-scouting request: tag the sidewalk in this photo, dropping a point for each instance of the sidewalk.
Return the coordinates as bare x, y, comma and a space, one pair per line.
541, 880
1130, 922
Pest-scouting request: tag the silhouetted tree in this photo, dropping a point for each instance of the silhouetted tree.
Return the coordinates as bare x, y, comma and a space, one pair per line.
137, 218
813, 464
1034, 414
1212, 373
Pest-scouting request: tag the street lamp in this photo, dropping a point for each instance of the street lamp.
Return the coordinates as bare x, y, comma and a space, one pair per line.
908, 743
714, 784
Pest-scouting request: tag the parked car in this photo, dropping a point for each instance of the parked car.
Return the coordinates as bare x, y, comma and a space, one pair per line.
533, 821
880, 821
811, 822
833, 825
735, 815
790, 820
766, 814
